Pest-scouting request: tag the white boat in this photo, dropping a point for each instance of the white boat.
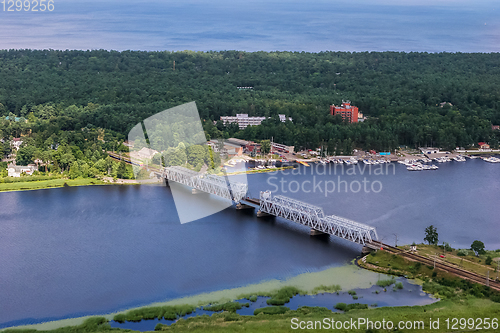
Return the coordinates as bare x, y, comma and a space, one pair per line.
459, 158
492, 159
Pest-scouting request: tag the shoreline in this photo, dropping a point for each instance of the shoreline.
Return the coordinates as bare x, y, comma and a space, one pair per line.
348, 276
355, 275
63, 182
48, 184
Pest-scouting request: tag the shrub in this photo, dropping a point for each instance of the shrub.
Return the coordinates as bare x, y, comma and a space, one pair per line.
463, 252
252, 298
399, 285
121, 318
352, 292
356, 306
94, 324
385, 283
333, 288
488, 260
167, 312
159, 327
229, 306
347, 307
341, 306
271, 310
28, 179
283, 296
232, 316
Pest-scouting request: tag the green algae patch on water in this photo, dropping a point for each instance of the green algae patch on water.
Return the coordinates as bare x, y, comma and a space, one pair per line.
347, 277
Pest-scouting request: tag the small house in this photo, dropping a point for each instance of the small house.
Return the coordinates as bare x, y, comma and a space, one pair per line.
145, 153
16, 143
483, 145
17, 170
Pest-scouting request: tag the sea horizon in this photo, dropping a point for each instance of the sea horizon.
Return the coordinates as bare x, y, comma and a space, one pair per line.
254, 25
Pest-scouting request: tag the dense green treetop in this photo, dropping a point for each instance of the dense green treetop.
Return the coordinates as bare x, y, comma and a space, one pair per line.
400, 92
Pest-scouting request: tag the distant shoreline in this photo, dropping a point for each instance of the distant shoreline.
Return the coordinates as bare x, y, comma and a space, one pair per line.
61, 182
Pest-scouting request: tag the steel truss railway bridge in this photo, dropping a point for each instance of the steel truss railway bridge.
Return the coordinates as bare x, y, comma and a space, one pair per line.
305, 214
281, 206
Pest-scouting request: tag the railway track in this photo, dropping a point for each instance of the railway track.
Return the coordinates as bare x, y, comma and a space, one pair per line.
462, 273
129, 161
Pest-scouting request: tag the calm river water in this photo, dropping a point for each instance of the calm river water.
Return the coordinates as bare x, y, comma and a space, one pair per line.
91, 250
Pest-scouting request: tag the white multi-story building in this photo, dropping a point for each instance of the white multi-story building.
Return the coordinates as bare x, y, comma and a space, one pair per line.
243, 120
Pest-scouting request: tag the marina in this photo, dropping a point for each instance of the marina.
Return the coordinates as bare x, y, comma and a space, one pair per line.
413, 163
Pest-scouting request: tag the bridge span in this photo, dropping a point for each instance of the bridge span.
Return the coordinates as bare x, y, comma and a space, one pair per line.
278, 205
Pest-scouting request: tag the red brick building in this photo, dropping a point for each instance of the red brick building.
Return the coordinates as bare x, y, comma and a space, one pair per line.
346, 110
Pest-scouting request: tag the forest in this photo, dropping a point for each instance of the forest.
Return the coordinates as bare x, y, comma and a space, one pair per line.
69, 99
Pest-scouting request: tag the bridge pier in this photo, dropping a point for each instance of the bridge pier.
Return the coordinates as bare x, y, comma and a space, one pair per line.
315, 232
239, 205
262, 214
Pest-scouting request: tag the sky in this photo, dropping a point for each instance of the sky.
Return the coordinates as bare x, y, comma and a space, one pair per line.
254, 25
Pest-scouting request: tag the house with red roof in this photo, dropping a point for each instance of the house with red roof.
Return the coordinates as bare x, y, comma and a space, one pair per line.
483, 145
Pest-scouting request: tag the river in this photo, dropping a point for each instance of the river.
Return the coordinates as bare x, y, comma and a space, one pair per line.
78, 251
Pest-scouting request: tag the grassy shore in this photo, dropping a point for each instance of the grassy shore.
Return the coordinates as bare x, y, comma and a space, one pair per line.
462, 258
347, 277
36, 185
460, 299
281, 321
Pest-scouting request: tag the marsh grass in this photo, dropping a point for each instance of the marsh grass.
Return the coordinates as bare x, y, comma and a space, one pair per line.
385, 283
167, 312
326, 289
283, 295
36, 185
271, 310
93, 324
347, 307
229, 306
252, 298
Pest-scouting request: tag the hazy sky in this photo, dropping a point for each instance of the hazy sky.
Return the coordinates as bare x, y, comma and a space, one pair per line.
251, 25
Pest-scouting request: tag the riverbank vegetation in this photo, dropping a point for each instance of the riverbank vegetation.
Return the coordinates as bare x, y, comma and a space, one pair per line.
481, 263
228, 306
437, 282
459, 298
278, 319
36, 185
159, 312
